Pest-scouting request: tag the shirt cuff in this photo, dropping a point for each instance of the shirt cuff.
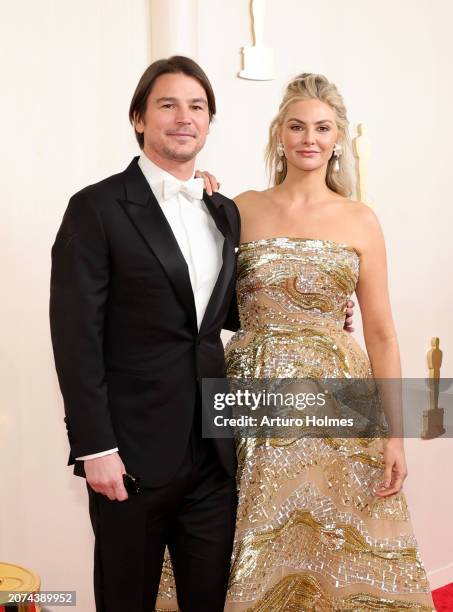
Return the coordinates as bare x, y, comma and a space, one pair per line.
96, 455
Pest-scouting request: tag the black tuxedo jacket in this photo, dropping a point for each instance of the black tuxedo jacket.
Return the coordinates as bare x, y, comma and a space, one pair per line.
128, 352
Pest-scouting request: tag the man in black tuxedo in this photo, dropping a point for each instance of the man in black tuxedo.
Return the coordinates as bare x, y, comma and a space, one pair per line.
142, 283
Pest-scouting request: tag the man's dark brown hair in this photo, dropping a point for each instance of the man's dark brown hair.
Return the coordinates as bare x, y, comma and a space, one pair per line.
178, 64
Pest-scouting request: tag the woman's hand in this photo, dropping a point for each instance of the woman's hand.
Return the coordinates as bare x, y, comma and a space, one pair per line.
349, 315
210, 182
395, 470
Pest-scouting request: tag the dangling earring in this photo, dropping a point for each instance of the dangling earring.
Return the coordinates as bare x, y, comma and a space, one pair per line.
281, 154
337, 153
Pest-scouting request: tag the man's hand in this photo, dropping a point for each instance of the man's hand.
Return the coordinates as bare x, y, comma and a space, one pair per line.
105, 475
349, 314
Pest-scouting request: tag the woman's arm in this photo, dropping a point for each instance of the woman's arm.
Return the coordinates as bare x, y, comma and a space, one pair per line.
372, 293
382, 344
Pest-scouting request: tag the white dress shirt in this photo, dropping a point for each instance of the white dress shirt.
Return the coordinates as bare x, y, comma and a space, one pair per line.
196, 233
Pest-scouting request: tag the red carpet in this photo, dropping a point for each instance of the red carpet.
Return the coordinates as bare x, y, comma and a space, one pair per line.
443, 598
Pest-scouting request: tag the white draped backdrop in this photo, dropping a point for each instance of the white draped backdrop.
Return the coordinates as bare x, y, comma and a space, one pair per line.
68, 71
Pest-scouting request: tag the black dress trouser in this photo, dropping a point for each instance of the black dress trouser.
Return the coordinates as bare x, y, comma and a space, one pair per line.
194, 515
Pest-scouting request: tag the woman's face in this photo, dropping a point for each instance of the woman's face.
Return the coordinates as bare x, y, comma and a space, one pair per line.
308, 133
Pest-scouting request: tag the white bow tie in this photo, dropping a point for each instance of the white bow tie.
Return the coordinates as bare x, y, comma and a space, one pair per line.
192, 188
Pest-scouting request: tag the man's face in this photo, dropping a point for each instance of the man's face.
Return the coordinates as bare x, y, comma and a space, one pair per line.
176, 121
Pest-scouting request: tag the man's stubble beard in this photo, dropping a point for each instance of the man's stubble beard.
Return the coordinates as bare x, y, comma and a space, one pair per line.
179, 157
174, 155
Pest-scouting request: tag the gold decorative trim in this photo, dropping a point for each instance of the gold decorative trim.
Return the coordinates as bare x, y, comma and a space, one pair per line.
302, 593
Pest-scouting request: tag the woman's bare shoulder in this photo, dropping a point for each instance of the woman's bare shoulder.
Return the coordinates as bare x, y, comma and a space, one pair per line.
248, 199
361, 212
364, 225
248, 196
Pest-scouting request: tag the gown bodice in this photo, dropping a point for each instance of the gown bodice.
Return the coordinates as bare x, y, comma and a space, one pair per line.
296, 282
292, 295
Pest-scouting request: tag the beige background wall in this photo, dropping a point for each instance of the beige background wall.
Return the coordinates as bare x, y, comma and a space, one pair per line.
68, 72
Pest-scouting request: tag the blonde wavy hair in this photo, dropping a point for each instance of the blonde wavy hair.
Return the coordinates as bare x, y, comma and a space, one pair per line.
308, 86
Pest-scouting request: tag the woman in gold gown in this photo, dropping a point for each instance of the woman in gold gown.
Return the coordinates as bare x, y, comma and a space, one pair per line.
322, 523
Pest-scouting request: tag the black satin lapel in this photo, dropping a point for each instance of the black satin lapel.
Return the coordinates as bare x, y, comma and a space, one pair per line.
228, 261
151, 223
218, 214
223, 280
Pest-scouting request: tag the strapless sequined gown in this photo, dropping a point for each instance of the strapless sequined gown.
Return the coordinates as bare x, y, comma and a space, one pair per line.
310, 534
